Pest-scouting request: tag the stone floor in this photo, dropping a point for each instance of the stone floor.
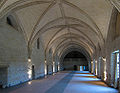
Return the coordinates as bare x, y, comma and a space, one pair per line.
63, 82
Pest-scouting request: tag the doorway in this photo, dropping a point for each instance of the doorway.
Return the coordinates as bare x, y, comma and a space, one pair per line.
47, 69
57, 68
3, 76
75, 68
83, 68
33, 72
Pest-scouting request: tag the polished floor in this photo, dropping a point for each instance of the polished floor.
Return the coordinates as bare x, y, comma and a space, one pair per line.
63, 82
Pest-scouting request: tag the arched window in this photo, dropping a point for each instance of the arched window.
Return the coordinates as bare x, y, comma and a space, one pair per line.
11, 21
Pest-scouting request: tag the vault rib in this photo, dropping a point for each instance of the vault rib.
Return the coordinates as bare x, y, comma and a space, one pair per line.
64, 17
48, 8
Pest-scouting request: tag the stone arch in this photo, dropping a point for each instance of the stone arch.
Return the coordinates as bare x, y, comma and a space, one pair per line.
70, 49
73, 36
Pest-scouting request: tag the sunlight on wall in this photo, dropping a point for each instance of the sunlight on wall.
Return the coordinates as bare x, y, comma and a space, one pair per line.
105, 77
58, 66
29, 69
29, 60
29, 73
53, 66
30, 82
45, 67
96, 67
105, 72
92, 66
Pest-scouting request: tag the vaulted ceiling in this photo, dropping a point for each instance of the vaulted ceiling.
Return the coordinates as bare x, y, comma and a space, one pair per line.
61, 24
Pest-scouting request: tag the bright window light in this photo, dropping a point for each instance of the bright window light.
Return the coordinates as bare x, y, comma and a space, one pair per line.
117, 65
81, 68
117, 62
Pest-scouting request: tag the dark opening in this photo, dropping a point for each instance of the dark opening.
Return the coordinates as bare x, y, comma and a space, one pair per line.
47, 69
38, 43
74, 61
9, 21
3, 76
33, 72
75, 54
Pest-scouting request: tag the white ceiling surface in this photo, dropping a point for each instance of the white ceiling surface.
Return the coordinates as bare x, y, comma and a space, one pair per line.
29, 16
84, 18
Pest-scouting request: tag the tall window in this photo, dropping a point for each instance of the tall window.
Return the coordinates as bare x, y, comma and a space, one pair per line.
115, 69
116, 53
118, 65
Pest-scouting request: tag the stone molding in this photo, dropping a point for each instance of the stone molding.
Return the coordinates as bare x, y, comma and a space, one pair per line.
116, 3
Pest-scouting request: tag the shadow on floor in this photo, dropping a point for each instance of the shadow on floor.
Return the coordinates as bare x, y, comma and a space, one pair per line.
60, 86
7, 90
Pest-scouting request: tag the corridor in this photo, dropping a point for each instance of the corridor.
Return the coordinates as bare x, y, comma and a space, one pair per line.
63, 82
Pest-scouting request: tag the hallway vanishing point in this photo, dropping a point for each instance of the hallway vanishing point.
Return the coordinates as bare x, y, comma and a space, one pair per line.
45, 44
63, 82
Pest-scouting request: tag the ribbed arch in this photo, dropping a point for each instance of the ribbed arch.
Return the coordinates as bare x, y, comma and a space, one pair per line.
65, 37
70, 49
73, 43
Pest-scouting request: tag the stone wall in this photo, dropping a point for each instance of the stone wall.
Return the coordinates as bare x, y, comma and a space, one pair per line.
107, 62
38, 60
13, 54
49, 60
69, 64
